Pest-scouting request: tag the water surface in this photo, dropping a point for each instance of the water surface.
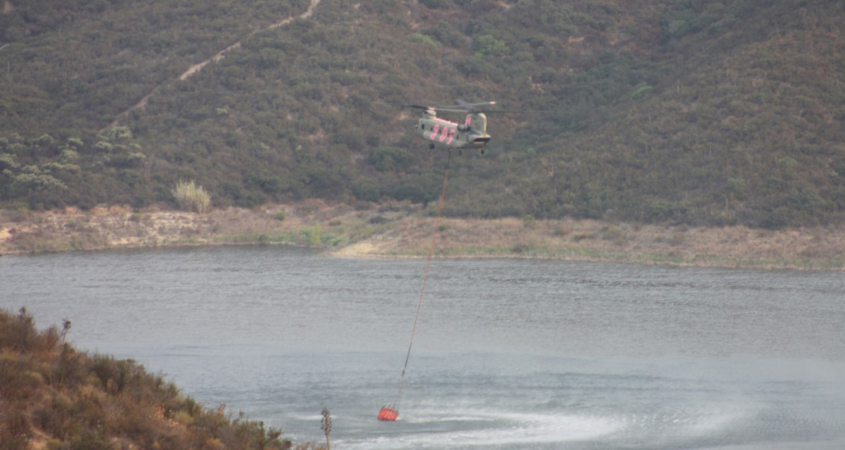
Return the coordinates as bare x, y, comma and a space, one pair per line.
508, 353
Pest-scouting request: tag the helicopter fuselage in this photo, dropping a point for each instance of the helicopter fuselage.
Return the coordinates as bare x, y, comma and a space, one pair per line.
471, 134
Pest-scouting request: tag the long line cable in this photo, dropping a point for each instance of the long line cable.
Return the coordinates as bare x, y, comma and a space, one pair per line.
425, 279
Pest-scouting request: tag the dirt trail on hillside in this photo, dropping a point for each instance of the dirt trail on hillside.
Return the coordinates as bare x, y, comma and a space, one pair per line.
222, 53
196, 68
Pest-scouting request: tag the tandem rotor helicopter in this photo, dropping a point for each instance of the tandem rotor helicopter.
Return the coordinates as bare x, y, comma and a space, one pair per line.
470, 134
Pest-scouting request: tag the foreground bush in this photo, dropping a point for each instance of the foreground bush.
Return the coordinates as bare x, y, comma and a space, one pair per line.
54, 397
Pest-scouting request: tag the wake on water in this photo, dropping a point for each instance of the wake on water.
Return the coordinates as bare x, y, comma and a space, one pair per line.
455, 429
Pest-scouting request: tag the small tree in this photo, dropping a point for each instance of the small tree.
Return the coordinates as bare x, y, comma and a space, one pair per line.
191, 197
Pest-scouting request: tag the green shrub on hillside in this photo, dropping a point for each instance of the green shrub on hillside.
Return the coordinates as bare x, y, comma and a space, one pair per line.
423, 39
488, 45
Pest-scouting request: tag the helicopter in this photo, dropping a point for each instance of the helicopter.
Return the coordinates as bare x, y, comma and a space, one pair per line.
470, 134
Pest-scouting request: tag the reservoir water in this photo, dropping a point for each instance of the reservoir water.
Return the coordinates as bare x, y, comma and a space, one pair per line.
512, 354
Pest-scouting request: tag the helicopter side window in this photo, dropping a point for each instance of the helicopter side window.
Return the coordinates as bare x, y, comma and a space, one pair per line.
422, 127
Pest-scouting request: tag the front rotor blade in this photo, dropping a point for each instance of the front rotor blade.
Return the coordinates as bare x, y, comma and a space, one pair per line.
449, 110
404, 105
419, 106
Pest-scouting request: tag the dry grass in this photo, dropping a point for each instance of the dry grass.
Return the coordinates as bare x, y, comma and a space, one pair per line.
191, 197
403, 230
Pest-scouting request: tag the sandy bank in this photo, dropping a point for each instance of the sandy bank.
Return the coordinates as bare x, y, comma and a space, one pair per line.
403, 230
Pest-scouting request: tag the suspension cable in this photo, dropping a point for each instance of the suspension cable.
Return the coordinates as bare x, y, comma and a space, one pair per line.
425, 279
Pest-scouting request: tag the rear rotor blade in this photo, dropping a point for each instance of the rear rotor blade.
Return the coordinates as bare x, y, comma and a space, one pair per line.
472, 106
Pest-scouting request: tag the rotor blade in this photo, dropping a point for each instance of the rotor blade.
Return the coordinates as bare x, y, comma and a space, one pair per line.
418, 106
488, 111
472, 106
404, 105
515, 111
449, 110
449, 107
462, 106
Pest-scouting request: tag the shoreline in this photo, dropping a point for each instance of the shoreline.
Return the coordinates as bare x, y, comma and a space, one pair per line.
403, 230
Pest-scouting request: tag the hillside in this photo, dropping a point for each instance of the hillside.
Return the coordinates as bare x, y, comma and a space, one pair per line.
696, 112
55, 397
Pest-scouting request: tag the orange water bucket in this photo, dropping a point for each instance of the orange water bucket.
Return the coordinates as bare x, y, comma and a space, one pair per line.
387, 414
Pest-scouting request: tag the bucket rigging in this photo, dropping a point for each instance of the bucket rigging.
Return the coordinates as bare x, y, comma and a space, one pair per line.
390, 413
